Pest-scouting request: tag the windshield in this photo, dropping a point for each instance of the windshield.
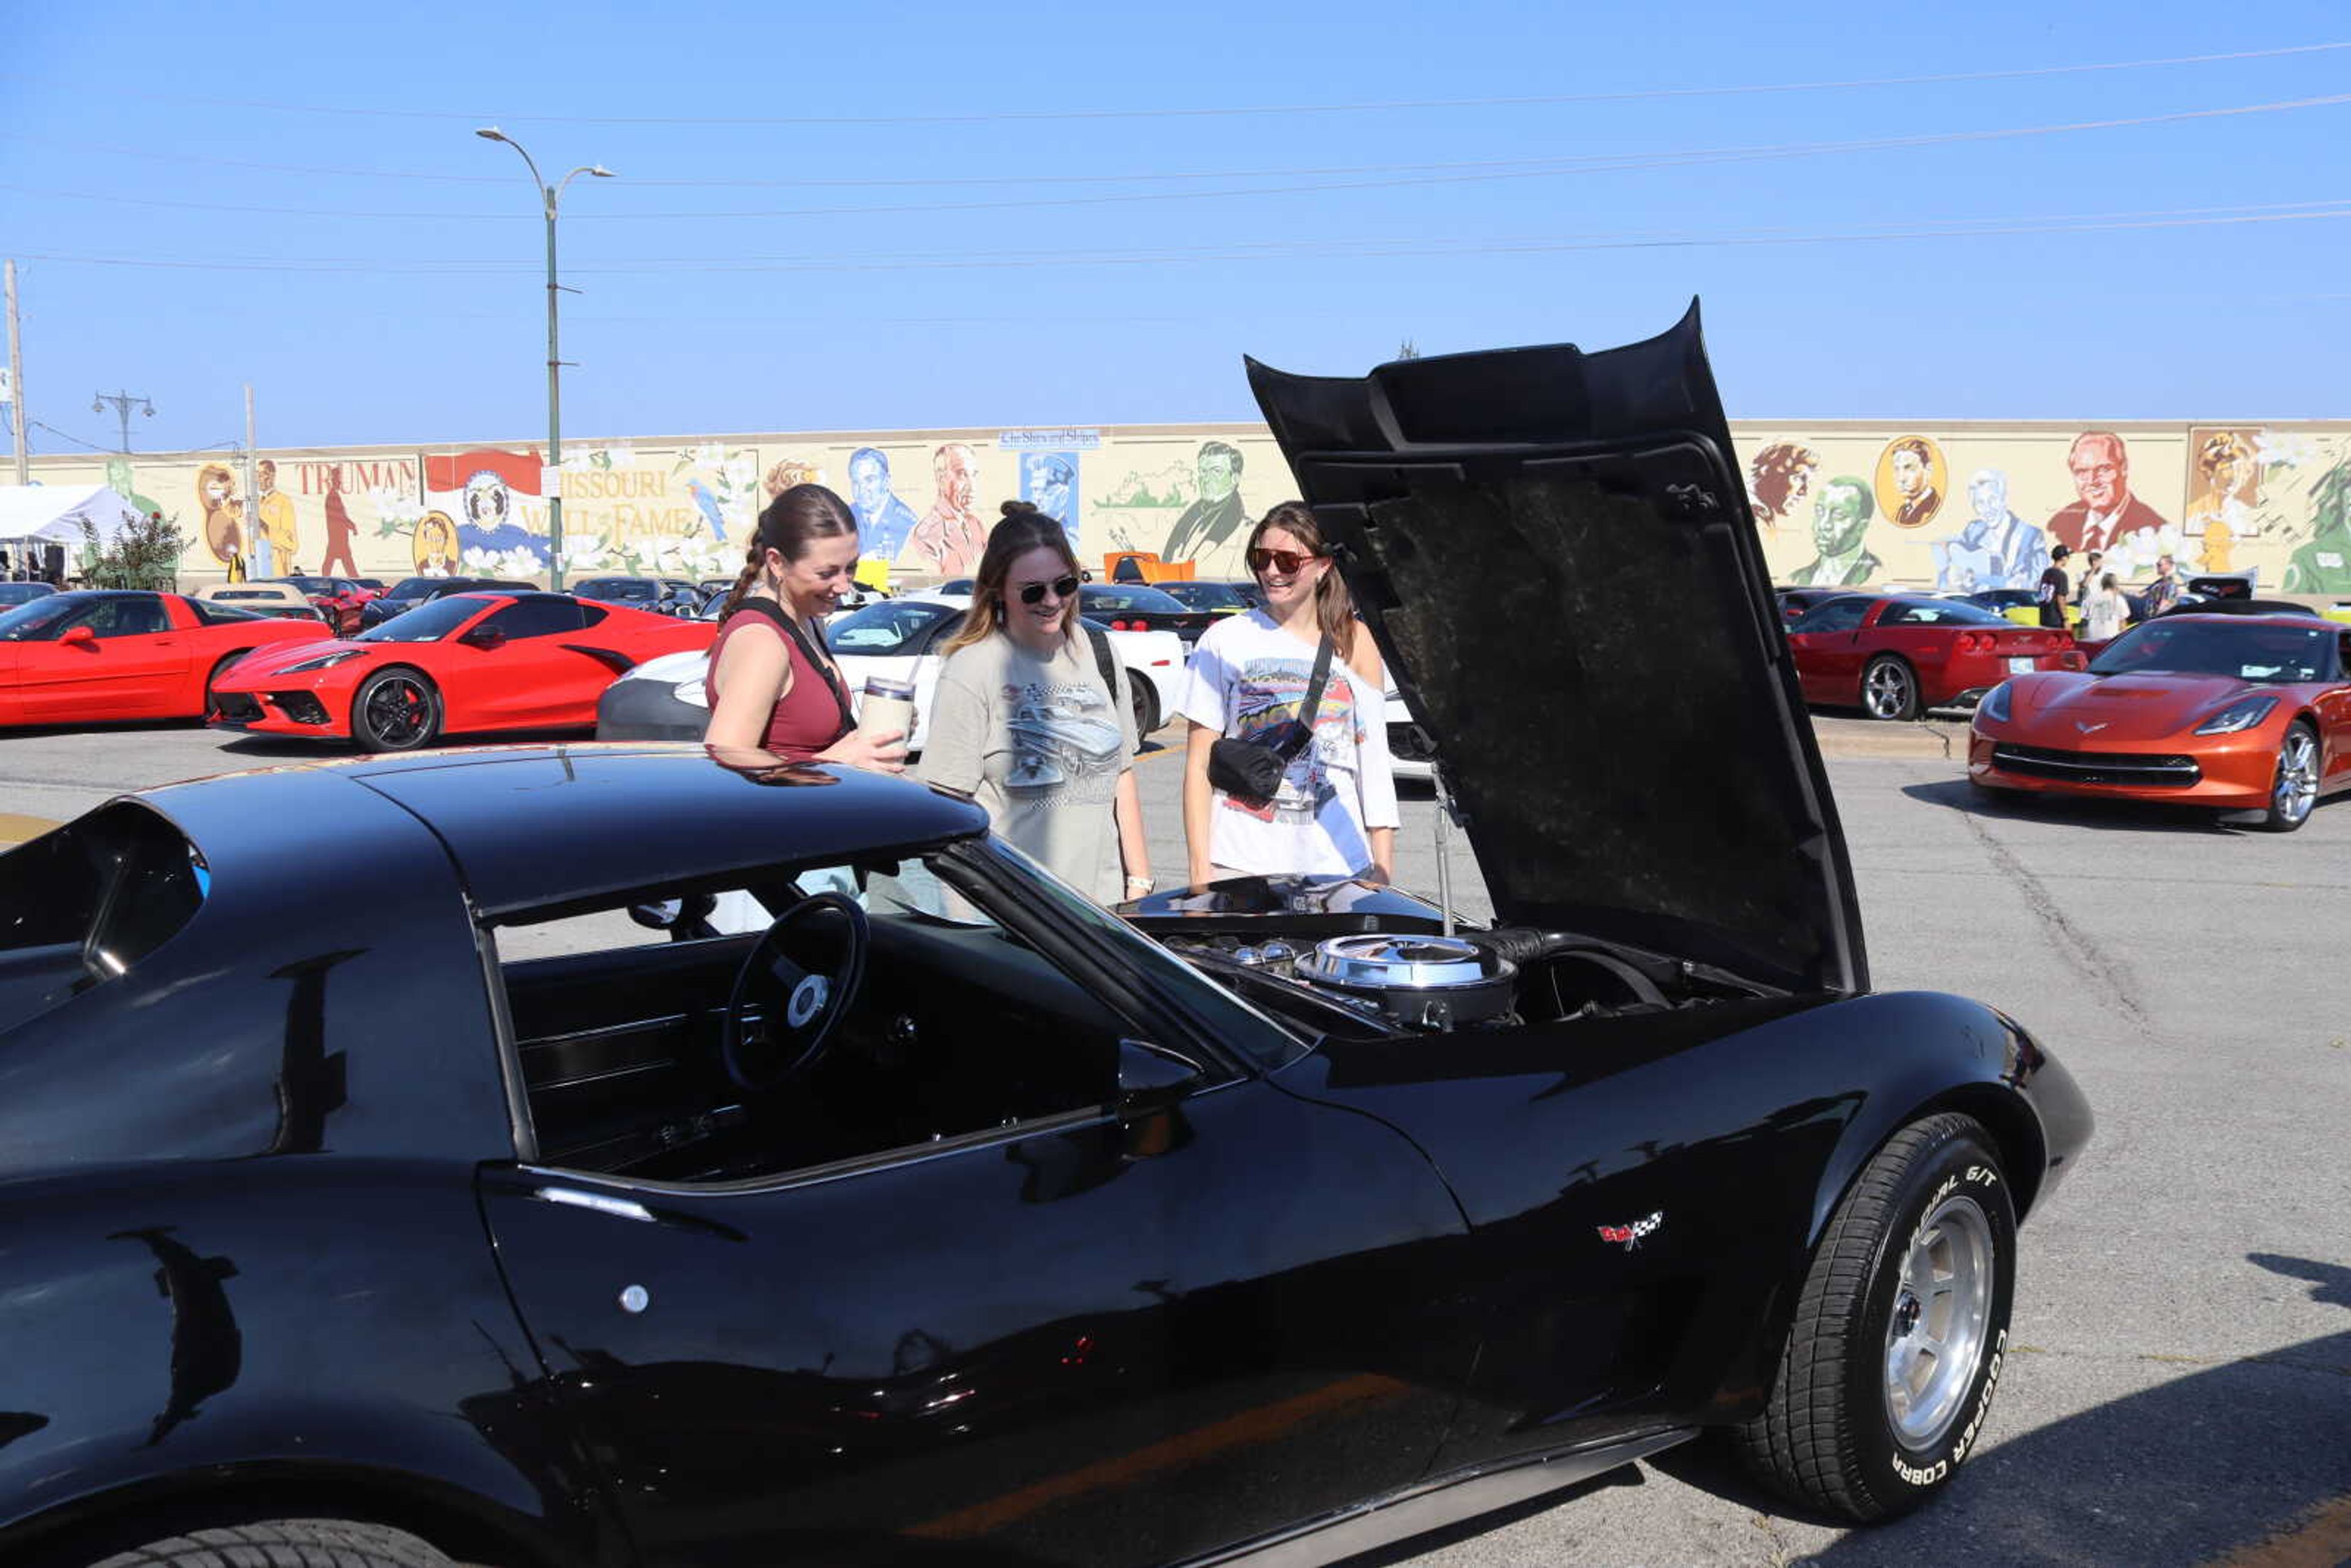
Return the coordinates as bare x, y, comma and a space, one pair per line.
2247, 651
1146, 599
40, 619
616, 588
414, 587
427, 623
1201, 595
1939, 613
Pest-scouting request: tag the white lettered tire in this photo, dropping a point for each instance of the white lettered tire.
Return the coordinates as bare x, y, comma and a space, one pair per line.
1900, 1333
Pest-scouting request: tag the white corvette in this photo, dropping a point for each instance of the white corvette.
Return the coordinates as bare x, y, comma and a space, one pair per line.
900, 639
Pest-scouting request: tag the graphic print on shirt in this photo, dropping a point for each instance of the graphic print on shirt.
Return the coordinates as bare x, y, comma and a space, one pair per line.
1271, 694
1066, 743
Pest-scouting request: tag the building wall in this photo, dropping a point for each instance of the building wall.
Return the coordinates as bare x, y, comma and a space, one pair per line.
1834, 502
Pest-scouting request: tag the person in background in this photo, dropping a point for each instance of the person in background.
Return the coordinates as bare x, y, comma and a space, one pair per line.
2052, 591
1335, 813
2093, 569
2162, 593
1025, 723
772, 685
2104, 610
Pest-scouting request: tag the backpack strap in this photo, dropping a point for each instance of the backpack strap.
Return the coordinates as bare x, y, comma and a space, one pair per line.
1104, 660
1305, 735
794, 635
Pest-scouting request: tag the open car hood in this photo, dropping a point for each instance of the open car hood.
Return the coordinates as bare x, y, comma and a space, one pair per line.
1554, 552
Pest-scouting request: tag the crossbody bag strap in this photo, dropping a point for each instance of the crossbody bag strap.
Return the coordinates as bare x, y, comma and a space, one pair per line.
798, 639
1305, 735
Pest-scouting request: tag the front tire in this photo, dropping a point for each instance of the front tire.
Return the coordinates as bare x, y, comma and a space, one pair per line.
395, 710
2293, 787
1899, 1334
211, 701
286, 1543
1889, 688
1146, 708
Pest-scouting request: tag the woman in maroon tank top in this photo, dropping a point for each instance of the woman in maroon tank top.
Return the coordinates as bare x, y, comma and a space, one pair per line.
772, 685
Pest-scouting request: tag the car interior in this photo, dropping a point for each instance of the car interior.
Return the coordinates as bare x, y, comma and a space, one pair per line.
957, 1026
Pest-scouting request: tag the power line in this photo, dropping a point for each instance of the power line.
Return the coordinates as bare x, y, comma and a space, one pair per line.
77, 441
1371, 107
1515, 169
1303, 250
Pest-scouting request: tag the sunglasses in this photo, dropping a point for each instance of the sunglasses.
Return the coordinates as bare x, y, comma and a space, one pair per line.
1286, 561
1034, 593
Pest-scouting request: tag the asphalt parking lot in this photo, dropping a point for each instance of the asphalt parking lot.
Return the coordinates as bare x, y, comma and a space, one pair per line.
2179, 1385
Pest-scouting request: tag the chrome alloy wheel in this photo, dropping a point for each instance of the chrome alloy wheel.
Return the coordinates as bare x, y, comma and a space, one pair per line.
1942, 1304
398, 710
1885, 690
2297, 775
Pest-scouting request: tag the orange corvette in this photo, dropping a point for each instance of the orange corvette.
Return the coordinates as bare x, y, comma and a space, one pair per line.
2246, 713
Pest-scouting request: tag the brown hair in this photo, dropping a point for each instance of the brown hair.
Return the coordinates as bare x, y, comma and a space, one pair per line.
1334, 607
793, 520
1022, 529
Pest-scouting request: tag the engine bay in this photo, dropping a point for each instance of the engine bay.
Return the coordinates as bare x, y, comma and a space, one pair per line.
1380, 983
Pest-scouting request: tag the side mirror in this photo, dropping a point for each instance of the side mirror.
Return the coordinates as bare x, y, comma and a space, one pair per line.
1151, 1076
79, 637
483, 637
685, 919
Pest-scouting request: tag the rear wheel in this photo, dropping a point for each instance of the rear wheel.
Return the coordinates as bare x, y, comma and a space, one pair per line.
395, 710
2293, 789
1898, 1336
285, 1543
1889, 688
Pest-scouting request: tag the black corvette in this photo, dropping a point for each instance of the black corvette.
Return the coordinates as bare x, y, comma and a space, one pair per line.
692, 1160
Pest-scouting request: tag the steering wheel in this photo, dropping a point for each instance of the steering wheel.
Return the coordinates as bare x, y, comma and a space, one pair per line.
792, 991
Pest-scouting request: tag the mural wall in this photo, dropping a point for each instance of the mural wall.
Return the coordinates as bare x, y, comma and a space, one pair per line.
1955, 506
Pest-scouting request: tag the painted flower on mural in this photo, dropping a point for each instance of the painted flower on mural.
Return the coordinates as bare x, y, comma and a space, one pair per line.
396, 510
507, 563
584, 552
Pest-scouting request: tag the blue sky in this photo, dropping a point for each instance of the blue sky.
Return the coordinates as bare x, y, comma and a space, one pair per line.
887, 217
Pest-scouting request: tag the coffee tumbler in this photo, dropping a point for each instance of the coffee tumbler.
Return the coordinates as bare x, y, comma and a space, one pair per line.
888, 707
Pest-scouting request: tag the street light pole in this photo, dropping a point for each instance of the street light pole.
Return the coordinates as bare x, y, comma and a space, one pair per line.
123, 402
552, 197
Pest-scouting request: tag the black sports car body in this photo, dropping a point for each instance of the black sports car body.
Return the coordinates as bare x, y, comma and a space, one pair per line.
689, 1161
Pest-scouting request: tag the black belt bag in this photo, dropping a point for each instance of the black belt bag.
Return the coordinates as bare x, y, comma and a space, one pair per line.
1251, 769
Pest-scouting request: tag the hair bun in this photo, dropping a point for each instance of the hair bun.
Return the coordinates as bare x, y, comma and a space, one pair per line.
1015, 508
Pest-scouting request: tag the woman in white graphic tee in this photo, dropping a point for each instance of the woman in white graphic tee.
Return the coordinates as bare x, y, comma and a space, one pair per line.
1335, 813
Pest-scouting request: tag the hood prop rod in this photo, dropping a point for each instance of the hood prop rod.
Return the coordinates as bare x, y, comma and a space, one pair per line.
1443, 839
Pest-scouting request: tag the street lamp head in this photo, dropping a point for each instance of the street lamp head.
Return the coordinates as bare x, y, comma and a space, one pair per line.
601, 171
491, 133
98, 406
151, 411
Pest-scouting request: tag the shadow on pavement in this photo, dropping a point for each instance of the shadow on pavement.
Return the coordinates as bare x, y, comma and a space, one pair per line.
2106, 816
2182, 1474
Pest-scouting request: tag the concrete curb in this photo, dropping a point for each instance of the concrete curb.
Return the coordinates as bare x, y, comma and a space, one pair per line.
1936, 740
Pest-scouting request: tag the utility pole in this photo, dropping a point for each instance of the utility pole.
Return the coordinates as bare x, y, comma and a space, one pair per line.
122, 401
16, 382
251, 496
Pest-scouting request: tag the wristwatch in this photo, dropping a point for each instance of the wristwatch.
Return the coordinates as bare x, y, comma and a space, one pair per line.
1140, 884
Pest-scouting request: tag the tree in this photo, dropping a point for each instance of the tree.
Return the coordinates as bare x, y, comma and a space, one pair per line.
1405, 351
145, 554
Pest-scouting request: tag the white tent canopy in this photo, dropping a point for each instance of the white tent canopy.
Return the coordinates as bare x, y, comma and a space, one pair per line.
57, 512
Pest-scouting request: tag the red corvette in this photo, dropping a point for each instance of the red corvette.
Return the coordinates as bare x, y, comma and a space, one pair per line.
2247, 713
1896, 654
104, 655
470, 662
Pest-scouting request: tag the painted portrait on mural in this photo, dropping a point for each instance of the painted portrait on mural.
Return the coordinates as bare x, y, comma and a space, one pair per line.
223, 526
2224, 493
1048, 481
949, 538
2106, 516
339, 526
787, 472
1997, 549
434, 545
1216, 514
120, 480
279, 534
1841, 515
2323, 564
1910, 480
1782, 478
884, 522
